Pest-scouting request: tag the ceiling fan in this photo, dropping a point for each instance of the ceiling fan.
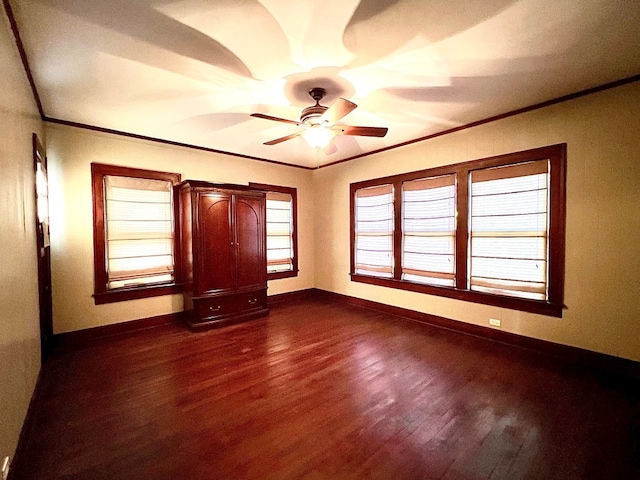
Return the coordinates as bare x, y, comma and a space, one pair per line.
319, 122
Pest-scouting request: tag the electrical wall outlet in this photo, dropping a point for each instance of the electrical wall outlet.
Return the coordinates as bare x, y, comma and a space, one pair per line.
494, 322
5, 468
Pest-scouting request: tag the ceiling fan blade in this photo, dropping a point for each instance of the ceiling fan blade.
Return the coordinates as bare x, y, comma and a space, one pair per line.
275, 119
337, 111
361, 131
282, 139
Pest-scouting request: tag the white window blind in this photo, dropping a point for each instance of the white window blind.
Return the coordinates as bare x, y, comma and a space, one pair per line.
429, 227
139, 231
374, 231
279, 232
509, 230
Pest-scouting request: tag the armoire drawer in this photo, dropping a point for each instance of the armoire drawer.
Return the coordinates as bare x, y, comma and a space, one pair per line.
208, 308
251, 301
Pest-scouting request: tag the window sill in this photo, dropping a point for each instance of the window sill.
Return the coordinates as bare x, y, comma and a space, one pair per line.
277, 275
122, 295
513, 303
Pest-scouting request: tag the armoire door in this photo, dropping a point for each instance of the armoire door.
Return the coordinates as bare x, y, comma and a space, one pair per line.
216, 244
250, 263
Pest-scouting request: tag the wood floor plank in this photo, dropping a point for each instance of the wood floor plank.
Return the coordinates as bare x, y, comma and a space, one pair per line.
323, 390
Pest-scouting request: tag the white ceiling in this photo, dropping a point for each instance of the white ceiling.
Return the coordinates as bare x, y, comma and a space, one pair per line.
191, 71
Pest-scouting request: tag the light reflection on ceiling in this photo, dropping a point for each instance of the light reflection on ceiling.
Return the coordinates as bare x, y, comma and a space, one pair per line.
191, 71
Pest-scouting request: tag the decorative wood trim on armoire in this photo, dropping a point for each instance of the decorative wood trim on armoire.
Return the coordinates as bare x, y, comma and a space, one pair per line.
223, 257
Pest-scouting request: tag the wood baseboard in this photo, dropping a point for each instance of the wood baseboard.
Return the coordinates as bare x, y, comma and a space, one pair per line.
573, 355
288, 297
565, 353
19, 459
83, 337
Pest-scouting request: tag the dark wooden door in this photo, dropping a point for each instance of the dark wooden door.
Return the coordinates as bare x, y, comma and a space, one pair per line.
250, 261
43, 248
215, 243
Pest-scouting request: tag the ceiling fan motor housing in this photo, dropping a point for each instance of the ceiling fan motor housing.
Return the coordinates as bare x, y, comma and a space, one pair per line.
310, 113
315, 110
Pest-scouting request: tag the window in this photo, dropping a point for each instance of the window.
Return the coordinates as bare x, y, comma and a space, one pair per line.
509, 225
374, 231
488, 231
42, 197
282, 237
134, 233
428, 230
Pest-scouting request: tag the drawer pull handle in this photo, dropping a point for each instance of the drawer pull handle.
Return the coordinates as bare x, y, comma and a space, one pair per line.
253, 301
214, 309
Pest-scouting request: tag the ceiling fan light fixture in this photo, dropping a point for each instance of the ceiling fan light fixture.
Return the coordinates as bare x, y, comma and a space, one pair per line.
317, 136
320, 124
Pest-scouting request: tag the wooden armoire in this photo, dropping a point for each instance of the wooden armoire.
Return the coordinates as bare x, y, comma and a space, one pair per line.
223, 253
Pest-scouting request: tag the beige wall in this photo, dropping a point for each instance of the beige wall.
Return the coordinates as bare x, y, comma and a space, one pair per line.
19, 327
71, 151
602, 282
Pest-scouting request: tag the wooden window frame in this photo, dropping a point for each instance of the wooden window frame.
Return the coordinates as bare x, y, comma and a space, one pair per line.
293, 192
553, 306
101, 293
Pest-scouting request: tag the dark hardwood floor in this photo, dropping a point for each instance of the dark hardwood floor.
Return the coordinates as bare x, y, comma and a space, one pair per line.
322, 390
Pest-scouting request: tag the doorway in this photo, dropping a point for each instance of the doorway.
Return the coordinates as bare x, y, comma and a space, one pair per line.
43, 248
